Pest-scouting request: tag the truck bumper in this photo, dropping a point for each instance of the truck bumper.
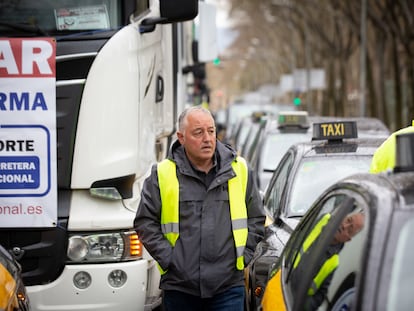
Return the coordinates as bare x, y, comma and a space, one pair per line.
62, 295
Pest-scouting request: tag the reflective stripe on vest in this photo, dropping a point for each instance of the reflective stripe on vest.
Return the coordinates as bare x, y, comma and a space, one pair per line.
328, 266
169, 192
168, 183
316, 231
238, 211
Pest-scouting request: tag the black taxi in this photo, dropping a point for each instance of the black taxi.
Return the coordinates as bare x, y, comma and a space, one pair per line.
303, 173
13, 296
290, 127
353, 250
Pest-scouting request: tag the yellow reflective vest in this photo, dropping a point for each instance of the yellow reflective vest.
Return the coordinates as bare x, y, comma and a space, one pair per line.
169, 192
328, 266
384, 156
273, 299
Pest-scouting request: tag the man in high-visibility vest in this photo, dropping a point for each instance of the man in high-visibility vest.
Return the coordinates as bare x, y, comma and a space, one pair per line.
200, 217
384, 157
350, 226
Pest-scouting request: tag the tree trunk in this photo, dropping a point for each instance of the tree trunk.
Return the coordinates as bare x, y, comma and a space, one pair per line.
371, 98
342, 100
410, 85
397, 84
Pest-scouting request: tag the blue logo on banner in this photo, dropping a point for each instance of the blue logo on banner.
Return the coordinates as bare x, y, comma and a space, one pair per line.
19, 172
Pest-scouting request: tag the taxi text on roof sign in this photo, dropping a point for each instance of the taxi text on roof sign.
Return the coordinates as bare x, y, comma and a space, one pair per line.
334, 130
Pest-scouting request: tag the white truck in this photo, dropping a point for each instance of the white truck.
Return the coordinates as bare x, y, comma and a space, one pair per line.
119, 89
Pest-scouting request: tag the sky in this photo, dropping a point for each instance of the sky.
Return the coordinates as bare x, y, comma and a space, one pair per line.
222, 20
225, 35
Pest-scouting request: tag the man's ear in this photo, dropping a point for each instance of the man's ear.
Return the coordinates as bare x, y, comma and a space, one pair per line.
180, 137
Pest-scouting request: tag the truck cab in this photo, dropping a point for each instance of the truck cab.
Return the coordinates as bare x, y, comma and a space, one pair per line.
118, 84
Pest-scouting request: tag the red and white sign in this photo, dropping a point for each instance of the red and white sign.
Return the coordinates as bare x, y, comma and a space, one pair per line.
28, 182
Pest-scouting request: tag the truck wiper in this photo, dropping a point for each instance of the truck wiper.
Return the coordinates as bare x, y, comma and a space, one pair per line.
25, 28
105, 33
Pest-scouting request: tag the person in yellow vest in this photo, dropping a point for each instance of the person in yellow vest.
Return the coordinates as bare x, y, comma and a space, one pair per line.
200, 217
351, 225
384, 157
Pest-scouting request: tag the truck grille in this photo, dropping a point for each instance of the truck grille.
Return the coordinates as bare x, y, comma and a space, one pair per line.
41, 252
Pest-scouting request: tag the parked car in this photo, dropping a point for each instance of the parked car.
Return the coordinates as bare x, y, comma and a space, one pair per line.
304, 172
273, 141
370, 269
241, 109
13, 296
291, 127
246, 130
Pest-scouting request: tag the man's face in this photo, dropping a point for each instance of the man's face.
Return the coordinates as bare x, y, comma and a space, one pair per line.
349, 227
198, 137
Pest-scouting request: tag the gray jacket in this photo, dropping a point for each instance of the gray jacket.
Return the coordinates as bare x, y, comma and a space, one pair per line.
203, 261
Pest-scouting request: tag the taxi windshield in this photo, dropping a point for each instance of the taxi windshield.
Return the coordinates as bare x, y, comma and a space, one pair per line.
28, 17
276, 145
314, 175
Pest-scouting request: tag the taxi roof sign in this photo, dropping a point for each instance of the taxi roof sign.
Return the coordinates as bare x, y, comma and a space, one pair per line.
293, 119
334, 130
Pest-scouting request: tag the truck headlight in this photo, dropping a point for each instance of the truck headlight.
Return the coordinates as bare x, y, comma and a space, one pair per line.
104, 247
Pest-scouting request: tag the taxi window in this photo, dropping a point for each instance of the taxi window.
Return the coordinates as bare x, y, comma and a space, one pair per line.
277, 186
314, 175
400, 296
325, 260
253, 144
309, 223
275, 147
251, 136
242, 133
292, 265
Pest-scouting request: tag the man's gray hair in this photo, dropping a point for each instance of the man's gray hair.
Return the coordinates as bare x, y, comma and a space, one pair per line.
182, 119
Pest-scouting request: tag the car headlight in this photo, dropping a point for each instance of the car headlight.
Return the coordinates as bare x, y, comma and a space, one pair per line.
104, 247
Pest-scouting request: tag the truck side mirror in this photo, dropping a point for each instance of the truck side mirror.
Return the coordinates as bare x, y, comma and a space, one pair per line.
171, 12
178, 10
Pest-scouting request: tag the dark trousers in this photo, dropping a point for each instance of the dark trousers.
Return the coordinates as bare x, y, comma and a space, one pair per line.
230, 300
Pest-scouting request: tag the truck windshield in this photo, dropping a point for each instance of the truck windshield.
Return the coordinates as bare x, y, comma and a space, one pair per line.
58, 17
